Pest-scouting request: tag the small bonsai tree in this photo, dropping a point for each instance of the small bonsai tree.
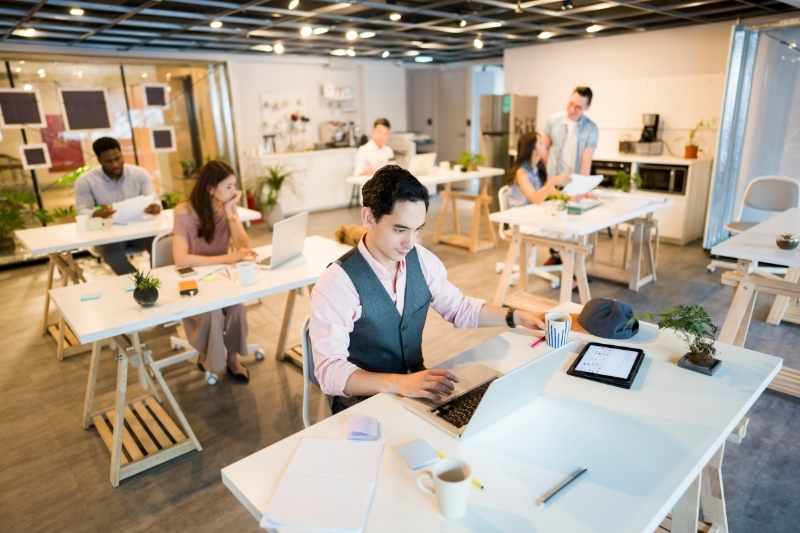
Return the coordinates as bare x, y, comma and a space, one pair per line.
693, 324
623, 181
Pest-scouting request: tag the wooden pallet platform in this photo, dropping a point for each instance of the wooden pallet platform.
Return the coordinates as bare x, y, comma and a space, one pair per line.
666, 526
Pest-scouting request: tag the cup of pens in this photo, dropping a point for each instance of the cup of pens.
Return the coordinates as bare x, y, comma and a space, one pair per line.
449, 480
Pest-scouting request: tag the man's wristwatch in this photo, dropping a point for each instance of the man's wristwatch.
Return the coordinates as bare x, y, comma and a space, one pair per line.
510, 317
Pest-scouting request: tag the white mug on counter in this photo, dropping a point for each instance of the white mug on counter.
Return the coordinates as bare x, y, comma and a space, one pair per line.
558, 326
444, 165
449, 481
247, 273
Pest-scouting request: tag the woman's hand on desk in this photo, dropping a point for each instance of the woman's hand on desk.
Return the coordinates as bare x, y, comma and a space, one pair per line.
242, 254
433, 384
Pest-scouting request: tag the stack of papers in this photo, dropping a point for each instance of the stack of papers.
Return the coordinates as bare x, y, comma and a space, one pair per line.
132, 209
581, 184
327, 486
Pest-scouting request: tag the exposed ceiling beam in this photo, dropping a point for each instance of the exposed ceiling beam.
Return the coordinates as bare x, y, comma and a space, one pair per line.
28, 16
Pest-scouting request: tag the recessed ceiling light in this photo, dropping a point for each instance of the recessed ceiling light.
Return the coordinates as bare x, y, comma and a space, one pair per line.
339, 52
477, 43
216, 24
395, 17
262, 47
306, 31
76, 12
463, 23
594, 28
41, 72
18, 70
293, 4
276, 15
367, 34
25, 32
320, 30
278, 47
27, 87
412, 53
144, 75
351, 52
385, 54
423, 59
545, 35
793, 45
566, 4
351, 35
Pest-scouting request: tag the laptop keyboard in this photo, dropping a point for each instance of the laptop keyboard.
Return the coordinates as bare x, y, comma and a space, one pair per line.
459, 411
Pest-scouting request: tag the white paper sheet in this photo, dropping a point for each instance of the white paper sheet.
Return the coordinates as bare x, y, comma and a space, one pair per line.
581, 184
132, 209
327, 486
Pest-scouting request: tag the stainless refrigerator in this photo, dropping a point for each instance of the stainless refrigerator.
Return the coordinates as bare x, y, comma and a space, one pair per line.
504, 117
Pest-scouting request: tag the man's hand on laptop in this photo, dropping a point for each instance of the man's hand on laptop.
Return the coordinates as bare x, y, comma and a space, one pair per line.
529, 320
433, 384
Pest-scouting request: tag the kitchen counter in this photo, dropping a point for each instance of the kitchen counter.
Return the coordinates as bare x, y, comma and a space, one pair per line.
653, 159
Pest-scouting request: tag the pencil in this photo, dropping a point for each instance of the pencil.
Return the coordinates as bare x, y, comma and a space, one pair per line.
537, 342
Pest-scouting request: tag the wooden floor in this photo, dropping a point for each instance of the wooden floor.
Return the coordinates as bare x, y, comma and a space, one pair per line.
54, 474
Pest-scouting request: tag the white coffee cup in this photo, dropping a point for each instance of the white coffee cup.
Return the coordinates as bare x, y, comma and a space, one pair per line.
444, 165
82, 222
449, 481
557, 328
247, 273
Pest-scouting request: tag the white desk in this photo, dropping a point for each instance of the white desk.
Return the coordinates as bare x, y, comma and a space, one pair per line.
757, 245
480, 212
61, 240
546, 226
92, 322
650, 450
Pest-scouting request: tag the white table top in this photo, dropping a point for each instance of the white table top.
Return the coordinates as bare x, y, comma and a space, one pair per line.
758, 243
615, 209
66, 237
116, 312
440, 176
642, 446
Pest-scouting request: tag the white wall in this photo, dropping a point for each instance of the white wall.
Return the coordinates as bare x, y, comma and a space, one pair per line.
678, 73
379, 91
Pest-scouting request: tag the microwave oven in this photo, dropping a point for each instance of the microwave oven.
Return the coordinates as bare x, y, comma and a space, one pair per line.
669, 179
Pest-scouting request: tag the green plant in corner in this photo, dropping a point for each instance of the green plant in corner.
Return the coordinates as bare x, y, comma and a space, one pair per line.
693, 324
69, 179
623, 181
269, 186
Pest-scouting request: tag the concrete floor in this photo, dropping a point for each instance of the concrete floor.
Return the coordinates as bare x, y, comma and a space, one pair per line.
54, 474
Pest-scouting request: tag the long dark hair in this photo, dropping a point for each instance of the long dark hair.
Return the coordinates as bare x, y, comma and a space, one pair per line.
208, 177
525, 147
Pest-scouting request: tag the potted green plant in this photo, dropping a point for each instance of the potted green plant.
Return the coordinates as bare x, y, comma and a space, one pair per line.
170, 199
691, 149
692, 324
11, 219
188, 167
469, 161
623, 181
69, 179
268, 187
145, 290
788, 241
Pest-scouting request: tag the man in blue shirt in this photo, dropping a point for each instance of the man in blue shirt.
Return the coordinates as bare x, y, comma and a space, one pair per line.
113, 182
571, 137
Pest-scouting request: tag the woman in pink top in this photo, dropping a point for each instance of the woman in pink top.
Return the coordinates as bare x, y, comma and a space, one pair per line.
208, 231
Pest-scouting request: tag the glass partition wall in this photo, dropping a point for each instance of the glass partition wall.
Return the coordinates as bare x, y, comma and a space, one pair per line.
142, 99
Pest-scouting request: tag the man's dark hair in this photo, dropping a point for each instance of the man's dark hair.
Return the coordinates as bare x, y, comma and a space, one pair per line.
104, 144
586, 92
382, 122
392, 184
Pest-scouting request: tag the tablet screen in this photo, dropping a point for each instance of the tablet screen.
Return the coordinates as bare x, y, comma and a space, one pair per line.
607, 361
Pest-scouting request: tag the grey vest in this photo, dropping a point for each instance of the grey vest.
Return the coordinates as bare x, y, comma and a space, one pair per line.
382, 340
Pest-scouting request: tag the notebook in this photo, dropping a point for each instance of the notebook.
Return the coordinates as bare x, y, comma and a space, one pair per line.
327, 486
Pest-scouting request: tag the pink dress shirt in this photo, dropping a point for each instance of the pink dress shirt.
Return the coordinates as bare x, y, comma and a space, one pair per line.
335, 307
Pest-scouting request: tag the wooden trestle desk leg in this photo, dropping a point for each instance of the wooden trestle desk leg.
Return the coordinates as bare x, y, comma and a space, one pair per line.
778, 310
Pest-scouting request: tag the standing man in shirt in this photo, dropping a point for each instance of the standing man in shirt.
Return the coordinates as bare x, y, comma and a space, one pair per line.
571, 137
368, 309
113, 182
375, 154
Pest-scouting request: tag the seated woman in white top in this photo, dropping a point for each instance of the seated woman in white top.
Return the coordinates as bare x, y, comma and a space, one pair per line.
376, 153
530, 183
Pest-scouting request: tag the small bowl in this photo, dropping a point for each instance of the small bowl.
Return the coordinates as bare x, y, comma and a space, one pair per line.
788, 244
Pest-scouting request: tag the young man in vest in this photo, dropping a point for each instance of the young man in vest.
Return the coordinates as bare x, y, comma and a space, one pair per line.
368, 309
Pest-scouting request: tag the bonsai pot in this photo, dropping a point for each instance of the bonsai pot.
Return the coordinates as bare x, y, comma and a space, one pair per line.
690, 151
145, 297
702, 362
787, 242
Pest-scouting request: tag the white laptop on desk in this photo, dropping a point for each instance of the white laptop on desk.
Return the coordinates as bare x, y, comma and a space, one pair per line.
422, 164
288, 240
483, 396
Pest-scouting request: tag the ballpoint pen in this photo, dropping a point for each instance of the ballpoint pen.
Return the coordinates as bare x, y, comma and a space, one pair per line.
563, 483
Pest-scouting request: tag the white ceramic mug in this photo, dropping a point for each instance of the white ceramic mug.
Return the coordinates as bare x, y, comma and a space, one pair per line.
82, 222
449, 481
557, 328
444, 165
247, 273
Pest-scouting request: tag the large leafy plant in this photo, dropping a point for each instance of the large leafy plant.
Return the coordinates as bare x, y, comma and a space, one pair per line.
269, 186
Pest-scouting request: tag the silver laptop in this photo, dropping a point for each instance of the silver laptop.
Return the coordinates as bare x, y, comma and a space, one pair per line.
422, 164
288, 239
489, 396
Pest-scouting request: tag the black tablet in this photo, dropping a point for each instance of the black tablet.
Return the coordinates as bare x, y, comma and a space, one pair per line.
606, 363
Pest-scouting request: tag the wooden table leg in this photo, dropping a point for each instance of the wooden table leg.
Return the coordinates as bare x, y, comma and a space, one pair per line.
687, 509
287, 321
88, 400
51, 266
712, 494
636, 255
144, 378
475, 226
505, 277
524, 251
582, 278
738, 316
567, 271
119, 416
441, 217
781, 304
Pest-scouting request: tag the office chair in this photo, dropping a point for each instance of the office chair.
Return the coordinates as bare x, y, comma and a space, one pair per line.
764, 197
504, 232
161, 255
309, 378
